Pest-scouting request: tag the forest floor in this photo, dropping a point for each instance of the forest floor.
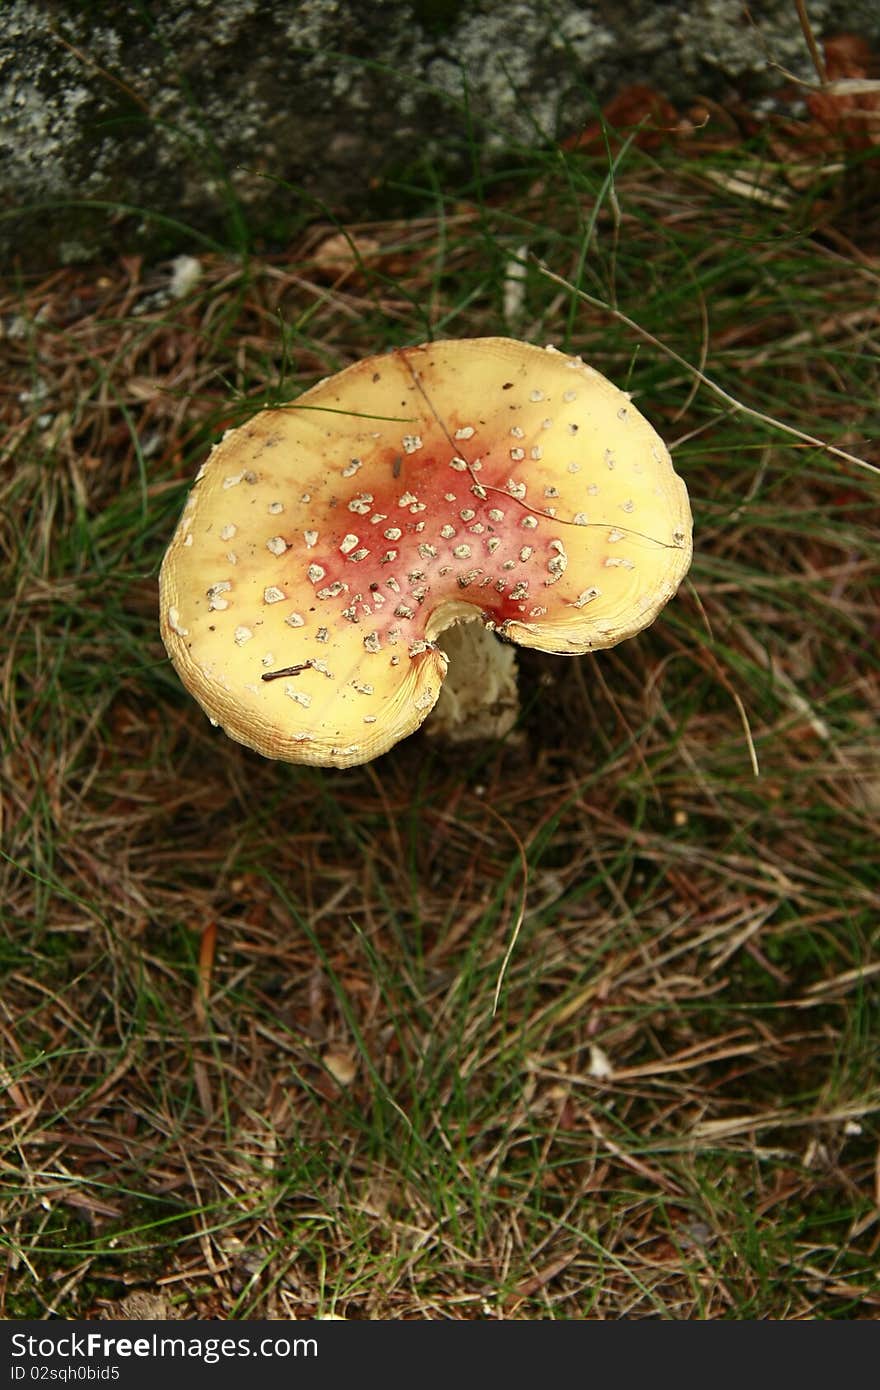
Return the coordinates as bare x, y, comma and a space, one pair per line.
252, 1063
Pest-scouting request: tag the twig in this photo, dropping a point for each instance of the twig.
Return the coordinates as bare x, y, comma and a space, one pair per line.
713, 386
815, 52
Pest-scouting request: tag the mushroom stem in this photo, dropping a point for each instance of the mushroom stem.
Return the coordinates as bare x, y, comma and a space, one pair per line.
478, 698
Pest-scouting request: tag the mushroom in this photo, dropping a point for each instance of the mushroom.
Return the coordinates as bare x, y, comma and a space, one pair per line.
327, 544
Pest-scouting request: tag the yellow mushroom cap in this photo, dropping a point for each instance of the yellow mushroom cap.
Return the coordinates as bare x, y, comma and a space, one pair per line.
326, 544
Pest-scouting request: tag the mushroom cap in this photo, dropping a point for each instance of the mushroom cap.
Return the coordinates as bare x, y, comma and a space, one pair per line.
327, 543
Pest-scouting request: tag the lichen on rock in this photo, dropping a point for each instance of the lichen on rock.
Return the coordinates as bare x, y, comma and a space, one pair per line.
216, 112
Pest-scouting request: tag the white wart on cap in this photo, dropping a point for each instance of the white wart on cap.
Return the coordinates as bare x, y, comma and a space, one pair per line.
327, 544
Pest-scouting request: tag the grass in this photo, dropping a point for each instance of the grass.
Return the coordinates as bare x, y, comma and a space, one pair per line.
251, 1063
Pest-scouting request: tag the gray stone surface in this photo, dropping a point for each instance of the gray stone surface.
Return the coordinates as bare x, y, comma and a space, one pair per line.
194, 110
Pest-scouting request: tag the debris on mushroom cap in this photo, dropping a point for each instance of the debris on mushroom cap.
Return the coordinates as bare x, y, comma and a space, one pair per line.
328, 543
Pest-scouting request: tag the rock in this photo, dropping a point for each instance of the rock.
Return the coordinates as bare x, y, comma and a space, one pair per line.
158, 126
